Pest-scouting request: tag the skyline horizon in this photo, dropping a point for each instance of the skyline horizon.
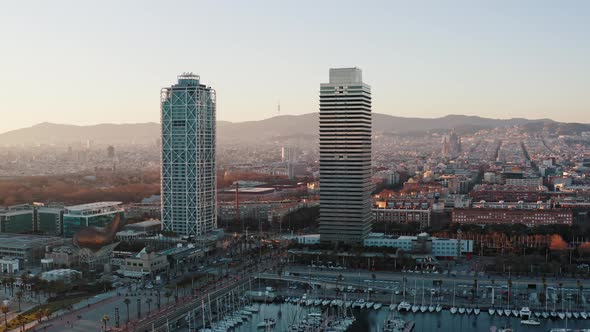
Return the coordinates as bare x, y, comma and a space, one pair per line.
292, 115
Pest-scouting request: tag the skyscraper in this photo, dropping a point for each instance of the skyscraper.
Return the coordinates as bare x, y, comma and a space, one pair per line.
345, 157
188, 179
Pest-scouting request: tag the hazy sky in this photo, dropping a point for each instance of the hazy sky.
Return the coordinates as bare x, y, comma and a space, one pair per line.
88, 62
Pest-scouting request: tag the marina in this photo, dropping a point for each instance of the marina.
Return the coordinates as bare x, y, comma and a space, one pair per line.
286, 315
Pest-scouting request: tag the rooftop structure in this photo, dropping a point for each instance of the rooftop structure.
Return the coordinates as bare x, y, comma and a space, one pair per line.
93, 208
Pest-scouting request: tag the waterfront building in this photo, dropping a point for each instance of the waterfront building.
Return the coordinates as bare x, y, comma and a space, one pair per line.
442, 248
486, 216
98, 214
144, 263
345, 157
188, 177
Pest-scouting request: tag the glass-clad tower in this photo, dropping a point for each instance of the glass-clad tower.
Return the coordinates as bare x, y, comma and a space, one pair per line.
188, 185
345, 157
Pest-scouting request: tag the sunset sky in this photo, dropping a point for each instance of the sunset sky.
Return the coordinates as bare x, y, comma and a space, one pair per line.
88, 62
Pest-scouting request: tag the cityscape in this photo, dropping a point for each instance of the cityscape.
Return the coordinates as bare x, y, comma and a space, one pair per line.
348, 216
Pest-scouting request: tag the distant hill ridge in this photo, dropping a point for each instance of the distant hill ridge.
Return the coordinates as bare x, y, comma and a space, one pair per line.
278, 126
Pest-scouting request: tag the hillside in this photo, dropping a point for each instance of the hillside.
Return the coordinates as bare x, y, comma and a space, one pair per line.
275, 127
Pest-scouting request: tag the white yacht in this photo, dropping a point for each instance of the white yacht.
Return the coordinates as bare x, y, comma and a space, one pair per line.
438, 308
454, 310
491, 311
525, 313
461, 310
404, 306
476, 311
531, 321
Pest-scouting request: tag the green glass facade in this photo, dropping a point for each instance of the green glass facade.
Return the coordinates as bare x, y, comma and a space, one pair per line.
17, 221
73, 223
188, 157
49, 220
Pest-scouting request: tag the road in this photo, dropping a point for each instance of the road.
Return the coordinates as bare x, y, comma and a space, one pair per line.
361, 275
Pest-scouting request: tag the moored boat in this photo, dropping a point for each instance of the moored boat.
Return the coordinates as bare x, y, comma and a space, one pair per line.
525, 313
530, 321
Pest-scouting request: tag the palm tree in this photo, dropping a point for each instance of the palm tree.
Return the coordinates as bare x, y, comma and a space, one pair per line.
5, 311
105, 321
149, 303
127, 302
39, 315
19, 297
168, 294
11, 281
21, 321
25, 280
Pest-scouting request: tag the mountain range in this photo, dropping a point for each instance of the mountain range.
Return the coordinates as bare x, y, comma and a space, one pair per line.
278, 127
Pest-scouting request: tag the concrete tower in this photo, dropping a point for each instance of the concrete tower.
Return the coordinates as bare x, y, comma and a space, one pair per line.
345, 157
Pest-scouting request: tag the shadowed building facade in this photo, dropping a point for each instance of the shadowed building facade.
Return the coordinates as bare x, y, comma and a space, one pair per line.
188, 176
345, 157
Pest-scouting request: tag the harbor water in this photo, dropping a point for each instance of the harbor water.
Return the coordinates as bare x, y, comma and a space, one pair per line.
369, 320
